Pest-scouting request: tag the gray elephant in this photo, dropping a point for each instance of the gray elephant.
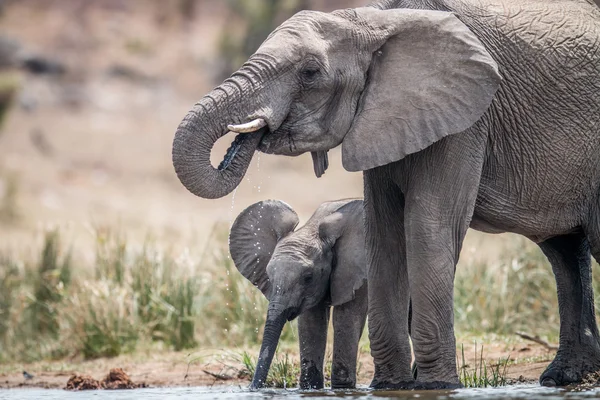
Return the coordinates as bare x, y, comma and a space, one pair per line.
303, 273
461, 113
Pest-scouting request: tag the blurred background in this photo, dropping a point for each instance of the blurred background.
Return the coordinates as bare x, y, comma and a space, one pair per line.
92, 216
91, 95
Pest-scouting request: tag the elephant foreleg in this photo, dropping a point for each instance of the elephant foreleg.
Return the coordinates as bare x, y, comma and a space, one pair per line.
312, 332
440, 195
388, 281
348, 324
579, 349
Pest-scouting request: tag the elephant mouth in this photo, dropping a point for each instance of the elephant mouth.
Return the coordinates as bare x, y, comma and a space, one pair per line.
238, 143
280, 142
270, 142
293, 314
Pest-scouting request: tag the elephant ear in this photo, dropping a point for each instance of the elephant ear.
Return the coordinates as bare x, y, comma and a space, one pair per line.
430, 77
343, 230
254, 235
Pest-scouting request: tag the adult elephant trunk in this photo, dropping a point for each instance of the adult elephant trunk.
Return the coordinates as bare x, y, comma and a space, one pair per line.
230, 103
276, 319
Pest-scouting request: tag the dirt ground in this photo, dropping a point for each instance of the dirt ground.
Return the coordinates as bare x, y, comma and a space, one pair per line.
180, 369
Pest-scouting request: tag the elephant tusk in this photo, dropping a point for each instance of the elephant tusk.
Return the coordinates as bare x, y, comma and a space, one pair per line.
248, 127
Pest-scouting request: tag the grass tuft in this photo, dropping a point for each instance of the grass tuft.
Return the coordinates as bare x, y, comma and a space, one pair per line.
482, 375
284, 372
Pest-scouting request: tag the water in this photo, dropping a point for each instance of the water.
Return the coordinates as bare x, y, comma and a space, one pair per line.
220, 393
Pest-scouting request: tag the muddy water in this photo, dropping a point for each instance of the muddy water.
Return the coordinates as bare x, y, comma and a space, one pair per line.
221, 393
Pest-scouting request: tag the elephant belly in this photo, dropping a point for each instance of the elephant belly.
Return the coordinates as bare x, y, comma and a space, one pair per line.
542, 163
549, 197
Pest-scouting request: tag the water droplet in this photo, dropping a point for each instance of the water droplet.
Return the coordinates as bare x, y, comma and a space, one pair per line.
231, 209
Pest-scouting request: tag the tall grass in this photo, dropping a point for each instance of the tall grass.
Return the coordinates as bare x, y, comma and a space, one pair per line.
52, 309
516, 293
53, 305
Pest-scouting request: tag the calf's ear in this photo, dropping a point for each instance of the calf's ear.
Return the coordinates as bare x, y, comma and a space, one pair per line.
254, 235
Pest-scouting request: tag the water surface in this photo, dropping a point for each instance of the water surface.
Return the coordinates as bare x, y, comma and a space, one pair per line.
221, 393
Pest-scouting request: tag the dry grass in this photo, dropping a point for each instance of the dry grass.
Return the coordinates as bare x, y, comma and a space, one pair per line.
52, 308
515, 293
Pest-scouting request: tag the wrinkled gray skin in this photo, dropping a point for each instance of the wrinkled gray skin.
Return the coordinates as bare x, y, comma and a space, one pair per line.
303, 274
486, 118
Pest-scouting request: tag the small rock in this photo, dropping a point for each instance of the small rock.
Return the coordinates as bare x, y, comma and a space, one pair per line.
116, 379
83, 382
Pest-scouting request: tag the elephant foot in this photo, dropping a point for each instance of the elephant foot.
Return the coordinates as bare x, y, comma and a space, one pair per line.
437, 385
385, 385
571, 367
311, 377
341, 377
415, 385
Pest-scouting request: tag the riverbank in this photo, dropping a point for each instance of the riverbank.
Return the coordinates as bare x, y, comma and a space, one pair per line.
224, 367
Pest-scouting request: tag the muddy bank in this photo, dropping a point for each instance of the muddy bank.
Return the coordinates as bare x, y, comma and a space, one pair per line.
176, 370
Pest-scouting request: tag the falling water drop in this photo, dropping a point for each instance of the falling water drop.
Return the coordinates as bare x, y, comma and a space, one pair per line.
231, 209
258, 170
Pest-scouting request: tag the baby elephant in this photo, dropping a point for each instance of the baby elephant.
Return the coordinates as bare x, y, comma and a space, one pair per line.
303, 273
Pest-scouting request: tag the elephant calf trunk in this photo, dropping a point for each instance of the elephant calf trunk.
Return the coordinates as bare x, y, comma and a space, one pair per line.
273, 326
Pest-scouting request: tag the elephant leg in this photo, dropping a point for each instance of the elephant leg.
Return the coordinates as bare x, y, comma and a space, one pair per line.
312, 332
348, 324
440, 195
579, 349
388, 280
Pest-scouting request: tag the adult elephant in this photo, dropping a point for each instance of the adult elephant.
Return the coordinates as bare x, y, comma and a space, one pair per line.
480, 113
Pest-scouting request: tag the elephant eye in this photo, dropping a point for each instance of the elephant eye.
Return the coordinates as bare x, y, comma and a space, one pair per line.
308, 278
309, 73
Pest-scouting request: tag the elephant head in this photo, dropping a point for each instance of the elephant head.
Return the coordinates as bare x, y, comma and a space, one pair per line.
296, 270
383, 83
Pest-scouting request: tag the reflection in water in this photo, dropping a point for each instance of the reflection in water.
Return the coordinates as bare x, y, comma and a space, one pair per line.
223, 393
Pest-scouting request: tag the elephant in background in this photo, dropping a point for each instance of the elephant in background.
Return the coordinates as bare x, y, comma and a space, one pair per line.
461, 113
303, 273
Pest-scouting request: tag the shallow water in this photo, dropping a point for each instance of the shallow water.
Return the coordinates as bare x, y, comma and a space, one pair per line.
221, 393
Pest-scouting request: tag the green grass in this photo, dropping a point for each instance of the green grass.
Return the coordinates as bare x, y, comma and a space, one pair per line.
53, 305
52, 309
481, 375
284, 371
515, 293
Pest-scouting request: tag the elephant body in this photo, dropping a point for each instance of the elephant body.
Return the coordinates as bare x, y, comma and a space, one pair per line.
461, 113
304, 273
530, 165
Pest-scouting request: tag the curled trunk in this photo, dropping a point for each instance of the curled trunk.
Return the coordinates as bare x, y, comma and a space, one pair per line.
276, 320
197, 134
